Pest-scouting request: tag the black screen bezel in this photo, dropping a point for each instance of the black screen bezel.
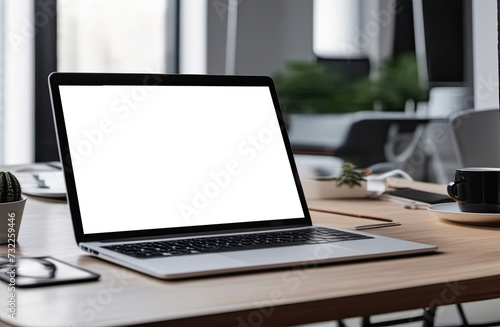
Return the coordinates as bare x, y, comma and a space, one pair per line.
58, 79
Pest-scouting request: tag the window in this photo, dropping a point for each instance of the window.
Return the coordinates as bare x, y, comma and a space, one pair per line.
16, 87
336, 23
113, 35
98, 36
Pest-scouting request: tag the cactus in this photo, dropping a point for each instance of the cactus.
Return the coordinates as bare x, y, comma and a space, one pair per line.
10, 189
349, 176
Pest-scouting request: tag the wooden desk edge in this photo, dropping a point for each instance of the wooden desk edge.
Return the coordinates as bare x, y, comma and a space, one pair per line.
447, 293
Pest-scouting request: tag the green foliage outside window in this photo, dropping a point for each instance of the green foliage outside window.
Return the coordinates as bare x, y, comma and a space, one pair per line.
307, 87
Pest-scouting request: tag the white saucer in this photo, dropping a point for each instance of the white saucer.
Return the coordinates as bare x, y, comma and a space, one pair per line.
450, 211
44, 183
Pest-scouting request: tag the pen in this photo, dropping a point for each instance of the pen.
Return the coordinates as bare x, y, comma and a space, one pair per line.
376, 226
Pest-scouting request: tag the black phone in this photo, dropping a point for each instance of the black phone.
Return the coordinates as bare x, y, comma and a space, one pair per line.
421, 196
20, 271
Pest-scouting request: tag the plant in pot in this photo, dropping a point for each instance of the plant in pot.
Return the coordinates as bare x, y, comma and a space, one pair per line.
11, 207
349, 184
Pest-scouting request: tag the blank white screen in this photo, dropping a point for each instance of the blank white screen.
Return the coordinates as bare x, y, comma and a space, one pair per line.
147, 157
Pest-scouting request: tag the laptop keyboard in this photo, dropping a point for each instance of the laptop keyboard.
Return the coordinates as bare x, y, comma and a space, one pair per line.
317, 235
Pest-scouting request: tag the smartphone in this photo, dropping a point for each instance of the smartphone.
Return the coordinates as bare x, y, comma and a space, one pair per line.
421, 196
20, 271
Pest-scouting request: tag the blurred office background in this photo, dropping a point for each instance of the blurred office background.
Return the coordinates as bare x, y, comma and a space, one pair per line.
382, 83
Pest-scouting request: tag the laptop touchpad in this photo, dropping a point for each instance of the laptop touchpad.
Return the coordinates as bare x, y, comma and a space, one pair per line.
291, 254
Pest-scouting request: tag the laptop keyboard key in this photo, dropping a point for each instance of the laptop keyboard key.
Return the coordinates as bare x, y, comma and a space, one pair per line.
317, 235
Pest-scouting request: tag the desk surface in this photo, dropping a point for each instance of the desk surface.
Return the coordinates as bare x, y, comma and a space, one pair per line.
466, 268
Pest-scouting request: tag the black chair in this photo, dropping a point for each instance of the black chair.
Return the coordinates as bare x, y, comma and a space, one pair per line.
477, 134
367, 141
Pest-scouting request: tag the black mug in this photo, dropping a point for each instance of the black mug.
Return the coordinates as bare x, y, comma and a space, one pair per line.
476, 190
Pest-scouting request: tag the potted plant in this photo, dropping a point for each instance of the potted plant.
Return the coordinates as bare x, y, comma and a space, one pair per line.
349, 184
11, 207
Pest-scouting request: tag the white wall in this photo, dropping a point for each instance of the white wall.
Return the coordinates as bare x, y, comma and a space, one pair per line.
485, 54
19, 87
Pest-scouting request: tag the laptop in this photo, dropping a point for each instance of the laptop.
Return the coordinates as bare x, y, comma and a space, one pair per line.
181, 176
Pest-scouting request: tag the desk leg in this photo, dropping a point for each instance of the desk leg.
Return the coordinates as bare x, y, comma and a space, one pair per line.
461, 313
427, 318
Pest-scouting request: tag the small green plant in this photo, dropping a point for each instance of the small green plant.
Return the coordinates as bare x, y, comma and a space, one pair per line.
10, 189
349, 176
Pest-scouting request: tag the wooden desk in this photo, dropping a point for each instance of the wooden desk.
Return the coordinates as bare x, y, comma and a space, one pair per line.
466, 268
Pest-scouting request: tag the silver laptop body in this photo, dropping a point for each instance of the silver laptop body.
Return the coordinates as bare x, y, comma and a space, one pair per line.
152, 158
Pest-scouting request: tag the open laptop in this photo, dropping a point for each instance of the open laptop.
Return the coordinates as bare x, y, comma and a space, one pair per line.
179, 176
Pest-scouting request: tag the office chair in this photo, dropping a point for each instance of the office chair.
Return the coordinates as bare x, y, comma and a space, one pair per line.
373, 141
364, 138
477, 136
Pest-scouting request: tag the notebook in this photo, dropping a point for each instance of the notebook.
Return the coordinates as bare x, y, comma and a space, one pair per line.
181, 176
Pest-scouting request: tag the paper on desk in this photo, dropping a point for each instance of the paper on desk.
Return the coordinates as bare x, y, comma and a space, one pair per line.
43, 183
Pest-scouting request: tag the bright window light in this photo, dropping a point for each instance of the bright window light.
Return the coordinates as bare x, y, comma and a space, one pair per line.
193, 37
336, 27
112, 35
18, 115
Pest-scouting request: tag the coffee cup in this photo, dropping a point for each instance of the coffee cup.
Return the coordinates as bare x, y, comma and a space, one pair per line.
476, 190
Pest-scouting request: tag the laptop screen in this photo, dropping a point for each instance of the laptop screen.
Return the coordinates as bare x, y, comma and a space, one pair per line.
165, 156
